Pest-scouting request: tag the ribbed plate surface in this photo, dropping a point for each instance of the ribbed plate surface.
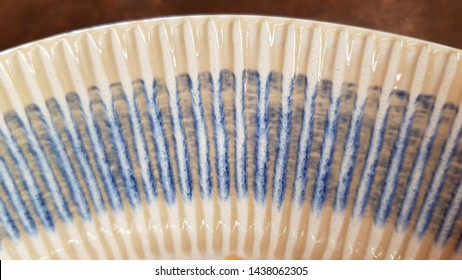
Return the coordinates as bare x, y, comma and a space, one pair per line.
207, 137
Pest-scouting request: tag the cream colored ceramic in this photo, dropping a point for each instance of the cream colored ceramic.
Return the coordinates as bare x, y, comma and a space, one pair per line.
217, 136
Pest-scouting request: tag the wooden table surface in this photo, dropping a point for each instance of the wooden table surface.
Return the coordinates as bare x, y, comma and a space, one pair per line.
439, 21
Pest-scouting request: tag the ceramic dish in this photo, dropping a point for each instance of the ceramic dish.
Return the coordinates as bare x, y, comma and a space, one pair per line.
228, 136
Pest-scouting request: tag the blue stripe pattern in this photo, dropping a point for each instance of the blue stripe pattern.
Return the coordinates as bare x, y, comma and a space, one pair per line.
327, 152
7, 222
261, 153
349, 159
119, 150
45, 170
453, 213
280, 169
63, 162
92, 130
82, 156
416, 179
433, 193
221, 143
107, 154
123, 159
182, 157
390, 184
34, 193
409, 201
161, 145
140, 145
6, 181
368, 172
201, 140
305, 140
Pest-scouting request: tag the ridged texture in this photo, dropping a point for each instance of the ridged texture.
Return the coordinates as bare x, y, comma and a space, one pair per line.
208, 137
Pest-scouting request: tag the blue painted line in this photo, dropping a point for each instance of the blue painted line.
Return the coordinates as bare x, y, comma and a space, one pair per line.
137, 131
282, 152
150, 187
6, 181
262, 141
452, 214
7, 222
33, 191
82, 159
161, 146
410, 197
349, 159
369, 169
327, 153
64, 164
45, 171
92, 130
397, 155
241, 137
221, 143
434, 191
123, 159
200, 130
304, 144
181, 148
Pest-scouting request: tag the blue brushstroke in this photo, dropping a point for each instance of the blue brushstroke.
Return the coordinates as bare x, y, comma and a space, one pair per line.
63, 162
161, 146
368, 173
120, 150
45, 169
82, 159
184, 171
396, 160
200, 130
6, 181
124, 160
410, 197
282, 151
92, 130
306, 137
328, 149
433, 193
452, 214
349, 159
7, 222
33, 191
262, 141
136, 129
221, 143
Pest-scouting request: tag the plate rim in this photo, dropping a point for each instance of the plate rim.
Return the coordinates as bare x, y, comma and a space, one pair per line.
323, 24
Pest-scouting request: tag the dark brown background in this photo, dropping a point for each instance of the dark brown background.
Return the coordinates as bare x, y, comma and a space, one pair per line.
439, 21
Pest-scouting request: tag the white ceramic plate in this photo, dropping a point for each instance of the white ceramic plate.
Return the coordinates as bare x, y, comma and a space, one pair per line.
229, 136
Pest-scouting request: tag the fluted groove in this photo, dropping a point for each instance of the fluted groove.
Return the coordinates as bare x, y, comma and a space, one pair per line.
152, 140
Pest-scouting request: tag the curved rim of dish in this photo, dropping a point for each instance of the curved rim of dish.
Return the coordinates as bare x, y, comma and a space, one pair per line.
325, 24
